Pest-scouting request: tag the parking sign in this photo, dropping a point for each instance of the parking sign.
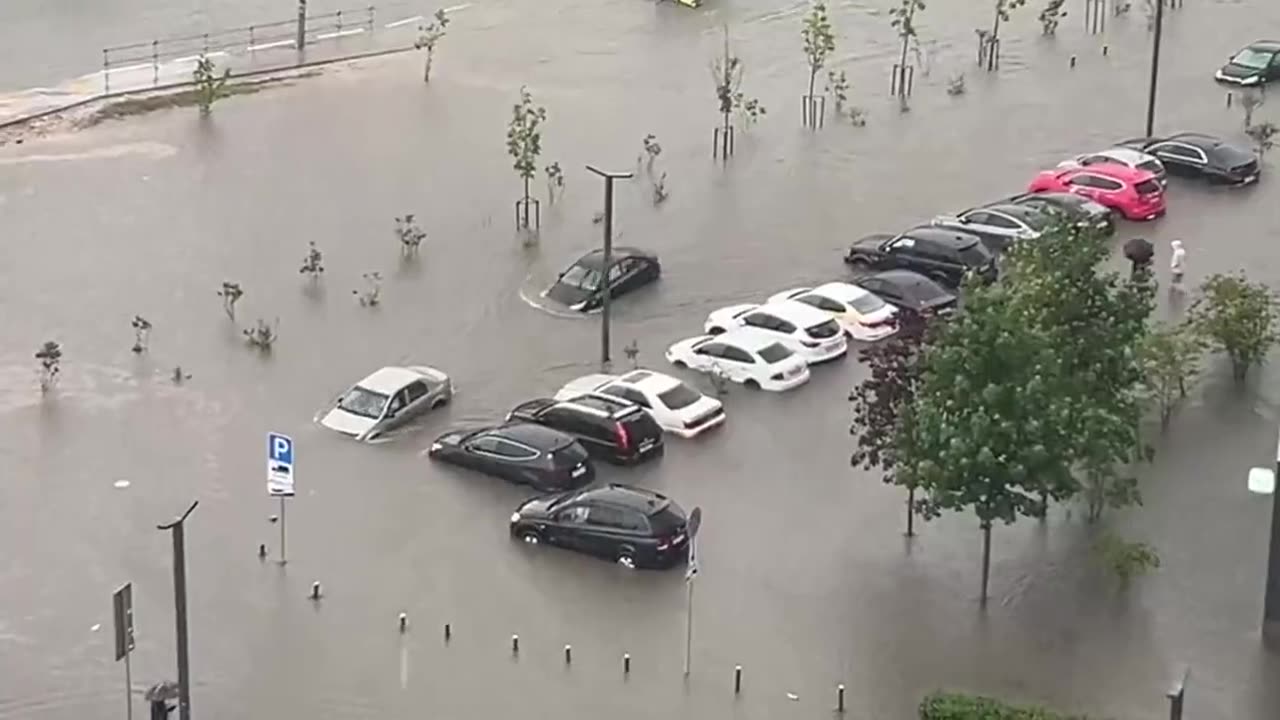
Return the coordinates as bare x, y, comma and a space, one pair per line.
279, 465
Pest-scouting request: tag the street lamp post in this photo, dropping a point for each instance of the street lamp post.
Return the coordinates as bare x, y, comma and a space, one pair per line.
1263, 481
609, 177
180, 608
1155, 68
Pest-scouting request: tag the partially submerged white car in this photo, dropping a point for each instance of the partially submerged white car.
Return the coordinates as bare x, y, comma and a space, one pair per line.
387, 400
862, 314
743, 355
808, 331
678, 408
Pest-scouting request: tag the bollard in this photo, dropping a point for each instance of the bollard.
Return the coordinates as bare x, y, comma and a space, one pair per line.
404, 622
1073, 62
1105, 50
737, 679
448, 632
626, 664
1229, 96
568, 655
515, 644
315, 591
839, 698
262, 550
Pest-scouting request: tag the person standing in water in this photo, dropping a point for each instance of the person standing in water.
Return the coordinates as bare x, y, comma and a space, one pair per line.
1177, 264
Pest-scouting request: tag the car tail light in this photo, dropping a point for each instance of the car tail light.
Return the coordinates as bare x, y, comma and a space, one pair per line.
624, 440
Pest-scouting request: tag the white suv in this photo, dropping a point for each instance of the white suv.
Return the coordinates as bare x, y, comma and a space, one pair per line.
678, 408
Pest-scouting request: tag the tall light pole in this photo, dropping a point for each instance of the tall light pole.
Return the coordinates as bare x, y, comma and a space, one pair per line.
180, 609
609, 177
1262, 480
1155, 68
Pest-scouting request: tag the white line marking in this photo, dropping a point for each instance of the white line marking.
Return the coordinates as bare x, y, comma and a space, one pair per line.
405, 21
193, 58
342, 33
456, 8
278, 43
127, 68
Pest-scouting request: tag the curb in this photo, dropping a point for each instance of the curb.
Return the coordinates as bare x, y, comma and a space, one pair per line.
279, 69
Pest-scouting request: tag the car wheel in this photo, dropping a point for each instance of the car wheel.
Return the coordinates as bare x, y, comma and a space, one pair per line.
679, 363
530, 537
715, 331
439, 403
859, 262
627, 558
751, 383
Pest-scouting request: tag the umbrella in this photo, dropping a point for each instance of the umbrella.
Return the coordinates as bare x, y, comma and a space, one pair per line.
1139, 250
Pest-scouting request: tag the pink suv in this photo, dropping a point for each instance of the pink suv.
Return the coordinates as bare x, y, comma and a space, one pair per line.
1135, 194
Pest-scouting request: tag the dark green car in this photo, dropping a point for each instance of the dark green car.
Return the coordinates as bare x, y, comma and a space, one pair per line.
1257, 64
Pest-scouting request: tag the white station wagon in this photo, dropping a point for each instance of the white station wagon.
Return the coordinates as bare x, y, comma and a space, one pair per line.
678, 408
743, 355
808, 331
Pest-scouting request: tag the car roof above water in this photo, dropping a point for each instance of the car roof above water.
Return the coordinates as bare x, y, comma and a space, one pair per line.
534, 435
632, 498
389, 380
747, 338
942, 236
649, 380
595, 259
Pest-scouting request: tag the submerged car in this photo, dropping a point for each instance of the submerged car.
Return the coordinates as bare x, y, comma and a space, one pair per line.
386, 400
676, 407
910, 292
1075, 208
742, 355
633, 527
1256, 64
580, 286
1201, 155
522, 453
1134, 194
999, 225
610, 428
947, 256
1127, 156
862, 314
808, 331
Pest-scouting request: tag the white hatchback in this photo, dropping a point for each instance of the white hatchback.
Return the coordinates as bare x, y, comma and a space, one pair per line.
678, 408
743, 355
808, 331
863, 315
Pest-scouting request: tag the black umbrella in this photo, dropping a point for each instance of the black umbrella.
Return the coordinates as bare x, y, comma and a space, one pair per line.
1139, 251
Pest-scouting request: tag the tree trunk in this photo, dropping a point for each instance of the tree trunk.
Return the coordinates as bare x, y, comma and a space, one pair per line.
526, 194
911, 512
811, 103
986, 559
426, 68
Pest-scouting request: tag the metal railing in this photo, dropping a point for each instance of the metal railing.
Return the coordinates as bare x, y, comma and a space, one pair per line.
245, 40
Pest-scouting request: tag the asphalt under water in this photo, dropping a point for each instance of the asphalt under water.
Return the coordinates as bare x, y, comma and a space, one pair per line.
806, 579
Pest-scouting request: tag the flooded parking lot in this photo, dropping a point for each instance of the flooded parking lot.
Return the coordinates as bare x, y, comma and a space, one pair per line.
806, 579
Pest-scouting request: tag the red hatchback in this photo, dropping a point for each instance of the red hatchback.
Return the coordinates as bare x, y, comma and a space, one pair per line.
1135, 194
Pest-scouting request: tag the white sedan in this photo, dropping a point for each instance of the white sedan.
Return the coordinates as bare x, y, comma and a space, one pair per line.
1128, 157
743, 355
808, 331
386, 400
863, 315
678, 408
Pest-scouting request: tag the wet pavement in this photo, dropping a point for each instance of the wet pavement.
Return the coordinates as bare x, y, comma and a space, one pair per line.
806, 579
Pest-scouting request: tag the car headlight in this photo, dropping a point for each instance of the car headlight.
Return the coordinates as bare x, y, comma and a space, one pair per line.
515, 517
435, 447
1251, 80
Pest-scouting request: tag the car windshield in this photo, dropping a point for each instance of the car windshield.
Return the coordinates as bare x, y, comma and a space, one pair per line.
775, 353
1252, 59
583, 278
362, 402
867, 303
679, 396
974, 254
1152, 166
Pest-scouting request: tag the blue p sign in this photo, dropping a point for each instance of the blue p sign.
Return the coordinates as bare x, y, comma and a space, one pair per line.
279, 464
280, 448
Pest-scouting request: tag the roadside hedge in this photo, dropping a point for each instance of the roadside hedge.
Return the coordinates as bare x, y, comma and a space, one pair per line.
958, 706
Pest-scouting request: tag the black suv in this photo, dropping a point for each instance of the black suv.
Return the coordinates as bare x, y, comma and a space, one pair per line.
946, 256
611, 429
1202, 156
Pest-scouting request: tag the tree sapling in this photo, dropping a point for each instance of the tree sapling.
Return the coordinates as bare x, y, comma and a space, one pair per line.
141, 333
524, 144
1263, 136
955, 85
230, 294
555, 182
989, 41
719, 381
632, 351
371, 296
178, 376
819, 43
312, 262
50, 357
1170, 359
1050, 16
428, 36
209, 85
1125, 559
409, 235
904, 21
651, 150
727, 72
263, 334
1250, 101
1237, 317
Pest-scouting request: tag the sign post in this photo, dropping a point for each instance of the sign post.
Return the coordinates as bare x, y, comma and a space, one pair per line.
122, 616
690, 574
280, 477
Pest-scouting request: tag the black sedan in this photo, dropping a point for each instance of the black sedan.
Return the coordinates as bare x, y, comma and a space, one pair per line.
522, 453
635, 528
580, 287
910, 291
1257, 64
1201, 155
947, 256
1077, 209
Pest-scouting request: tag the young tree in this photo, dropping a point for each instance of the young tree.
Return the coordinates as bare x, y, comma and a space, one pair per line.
1237, 317
1050, 16
263, 335
989, 42
524, 144
904, 21
1127, 559
880, 399
988, 428
312, 262
371, 296
819, 42
1263, 136
555, 181
230, 294
428, 36
1250, 101
210, 86
409, 235
1170, 358
727, 72
632, 351
141, 333
50, 357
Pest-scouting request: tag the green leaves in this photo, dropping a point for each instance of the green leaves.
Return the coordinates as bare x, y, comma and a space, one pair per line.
210, 86
1170, 360
903, 17
819, 37
1237, 317
524, 135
